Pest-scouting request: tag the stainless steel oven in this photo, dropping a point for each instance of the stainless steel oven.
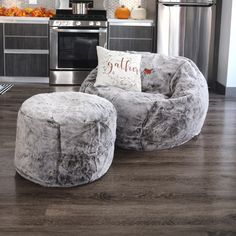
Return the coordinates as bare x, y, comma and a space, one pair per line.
73, 49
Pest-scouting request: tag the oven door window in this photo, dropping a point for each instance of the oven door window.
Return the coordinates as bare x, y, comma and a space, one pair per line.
77, 50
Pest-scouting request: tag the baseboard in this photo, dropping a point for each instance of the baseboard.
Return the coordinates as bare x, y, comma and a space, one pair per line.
227, 91
221, 89
231, 92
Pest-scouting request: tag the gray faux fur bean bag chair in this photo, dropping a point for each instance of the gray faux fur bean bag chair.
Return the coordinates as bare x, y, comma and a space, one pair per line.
65, 139
170, 110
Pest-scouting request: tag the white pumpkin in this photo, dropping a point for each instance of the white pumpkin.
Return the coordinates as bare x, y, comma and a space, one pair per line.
138, 13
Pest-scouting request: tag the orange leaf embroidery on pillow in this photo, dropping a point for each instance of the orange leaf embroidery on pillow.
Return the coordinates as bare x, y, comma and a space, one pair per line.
148, 71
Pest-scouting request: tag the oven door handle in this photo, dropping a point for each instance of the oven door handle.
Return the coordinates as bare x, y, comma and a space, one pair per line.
89, 31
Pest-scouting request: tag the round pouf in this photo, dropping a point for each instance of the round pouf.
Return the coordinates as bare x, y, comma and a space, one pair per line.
65, 139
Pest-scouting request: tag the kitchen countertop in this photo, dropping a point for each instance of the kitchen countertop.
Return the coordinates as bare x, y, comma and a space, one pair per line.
30, 20
130, 22
44, 20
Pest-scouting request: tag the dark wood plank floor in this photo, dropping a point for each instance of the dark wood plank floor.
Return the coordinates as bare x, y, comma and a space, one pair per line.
189, 190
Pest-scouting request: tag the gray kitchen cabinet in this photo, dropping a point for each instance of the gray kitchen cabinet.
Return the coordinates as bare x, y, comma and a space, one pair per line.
131, 38
33, 65
26, 43
131, 45
26, 29
1, 51
26, 50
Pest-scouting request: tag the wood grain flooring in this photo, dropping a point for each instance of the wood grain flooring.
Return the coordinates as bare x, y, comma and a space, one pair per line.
186, 191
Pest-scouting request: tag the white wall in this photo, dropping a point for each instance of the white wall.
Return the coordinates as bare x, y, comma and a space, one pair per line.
224, 41
231, 81
227, 50
113, 4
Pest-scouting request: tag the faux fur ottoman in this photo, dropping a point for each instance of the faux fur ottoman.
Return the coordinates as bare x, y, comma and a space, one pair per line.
170, 110
65, 139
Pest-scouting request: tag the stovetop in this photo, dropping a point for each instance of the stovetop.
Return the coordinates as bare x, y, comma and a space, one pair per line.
93, 15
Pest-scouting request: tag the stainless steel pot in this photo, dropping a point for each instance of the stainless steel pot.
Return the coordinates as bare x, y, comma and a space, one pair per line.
80, 8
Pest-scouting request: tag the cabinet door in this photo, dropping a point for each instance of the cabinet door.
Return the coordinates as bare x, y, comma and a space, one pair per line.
131, 32
26, 29
26, 36
131, 45
26, 43
1, 51
30, 65
131, 38
26, 50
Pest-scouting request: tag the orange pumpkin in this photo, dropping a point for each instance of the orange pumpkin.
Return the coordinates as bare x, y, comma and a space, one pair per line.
122, 12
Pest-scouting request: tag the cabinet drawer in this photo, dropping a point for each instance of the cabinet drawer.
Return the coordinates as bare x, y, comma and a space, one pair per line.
26, 43
26, 29
131, 32
131, 45
26, 65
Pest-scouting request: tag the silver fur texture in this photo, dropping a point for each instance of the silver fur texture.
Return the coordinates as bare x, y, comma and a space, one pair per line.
170, 110
65, 139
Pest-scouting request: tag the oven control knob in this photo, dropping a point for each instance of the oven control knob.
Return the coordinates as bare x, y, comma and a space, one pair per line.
78, 23
63, 23
91, 23
57, 23
98, 23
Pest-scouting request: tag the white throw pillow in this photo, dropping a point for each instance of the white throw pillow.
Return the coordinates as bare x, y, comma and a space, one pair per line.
118, 69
